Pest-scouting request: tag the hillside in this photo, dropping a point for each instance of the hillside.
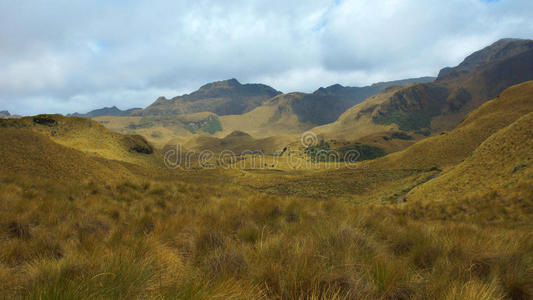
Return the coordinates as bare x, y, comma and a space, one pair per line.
501, 165
325, 105
158, 130
89, 137
294, 113
31, 155
440, 105
275, 117
77, 225
237, 142
221, 97
498, 51
282, 114
452, 147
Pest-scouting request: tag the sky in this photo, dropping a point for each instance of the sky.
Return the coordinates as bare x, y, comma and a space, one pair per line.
64, 56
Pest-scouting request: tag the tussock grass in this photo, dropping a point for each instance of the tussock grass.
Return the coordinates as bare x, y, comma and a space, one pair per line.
199, 241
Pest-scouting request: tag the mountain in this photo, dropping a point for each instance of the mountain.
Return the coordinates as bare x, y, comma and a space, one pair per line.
221, 97
4, 114
325, 105
441, 105
90, 212
294, 113
158, 130
498, 51
106, 111
453, 147
282, 114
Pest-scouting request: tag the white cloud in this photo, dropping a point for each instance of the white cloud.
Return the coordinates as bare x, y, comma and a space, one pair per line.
66, 56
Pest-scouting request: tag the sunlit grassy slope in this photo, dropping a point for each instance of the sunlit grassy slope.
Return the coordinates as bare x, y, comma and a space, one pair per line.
275, 117
158, 130
501, 163
88, 136
28, 154
452, 147
356, 122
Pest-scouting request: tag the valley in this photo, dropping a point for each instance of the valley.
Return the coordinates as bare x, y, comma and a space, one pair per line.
411, 189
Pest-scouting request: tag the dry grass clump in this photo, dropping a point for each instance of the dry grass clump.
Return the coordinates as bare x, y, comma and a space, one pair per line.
198, 241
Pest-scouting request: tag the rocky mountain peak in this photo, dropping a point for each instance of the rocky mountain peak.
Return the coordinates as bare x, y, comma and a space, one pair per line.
500, 50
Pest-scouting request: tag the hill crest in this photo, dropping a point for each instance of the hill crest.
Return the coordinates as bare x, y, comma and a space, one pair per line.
221, 97
500, 50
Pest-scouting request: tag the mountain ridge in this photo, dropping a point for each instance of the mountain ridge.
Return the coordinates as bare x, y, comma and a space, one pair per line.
106, 111
499, 50
441, 105
220, 97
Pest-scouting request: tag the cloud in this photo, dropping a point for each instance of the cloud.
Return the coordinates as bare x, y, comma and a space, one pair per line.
65, 56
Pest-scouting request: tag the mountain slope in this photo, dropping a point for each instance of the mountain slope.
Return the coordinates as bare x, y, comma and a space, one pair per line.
158, 130
237, 142
453, 147
275, 117
500, 50
88, 136
501, 164
221, 97
357, 121
440, 105
283, 114
29, 154
325, 105
294, 113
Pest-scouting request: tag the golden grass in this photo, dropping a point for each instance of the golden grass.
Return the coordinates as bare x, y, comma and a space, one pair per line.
204, 241
275, 117
28, 154
87, 136
503, 161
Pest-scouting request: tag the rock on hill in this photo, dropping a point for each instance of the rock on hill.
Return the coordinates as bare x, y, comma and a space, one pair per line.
221, 97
